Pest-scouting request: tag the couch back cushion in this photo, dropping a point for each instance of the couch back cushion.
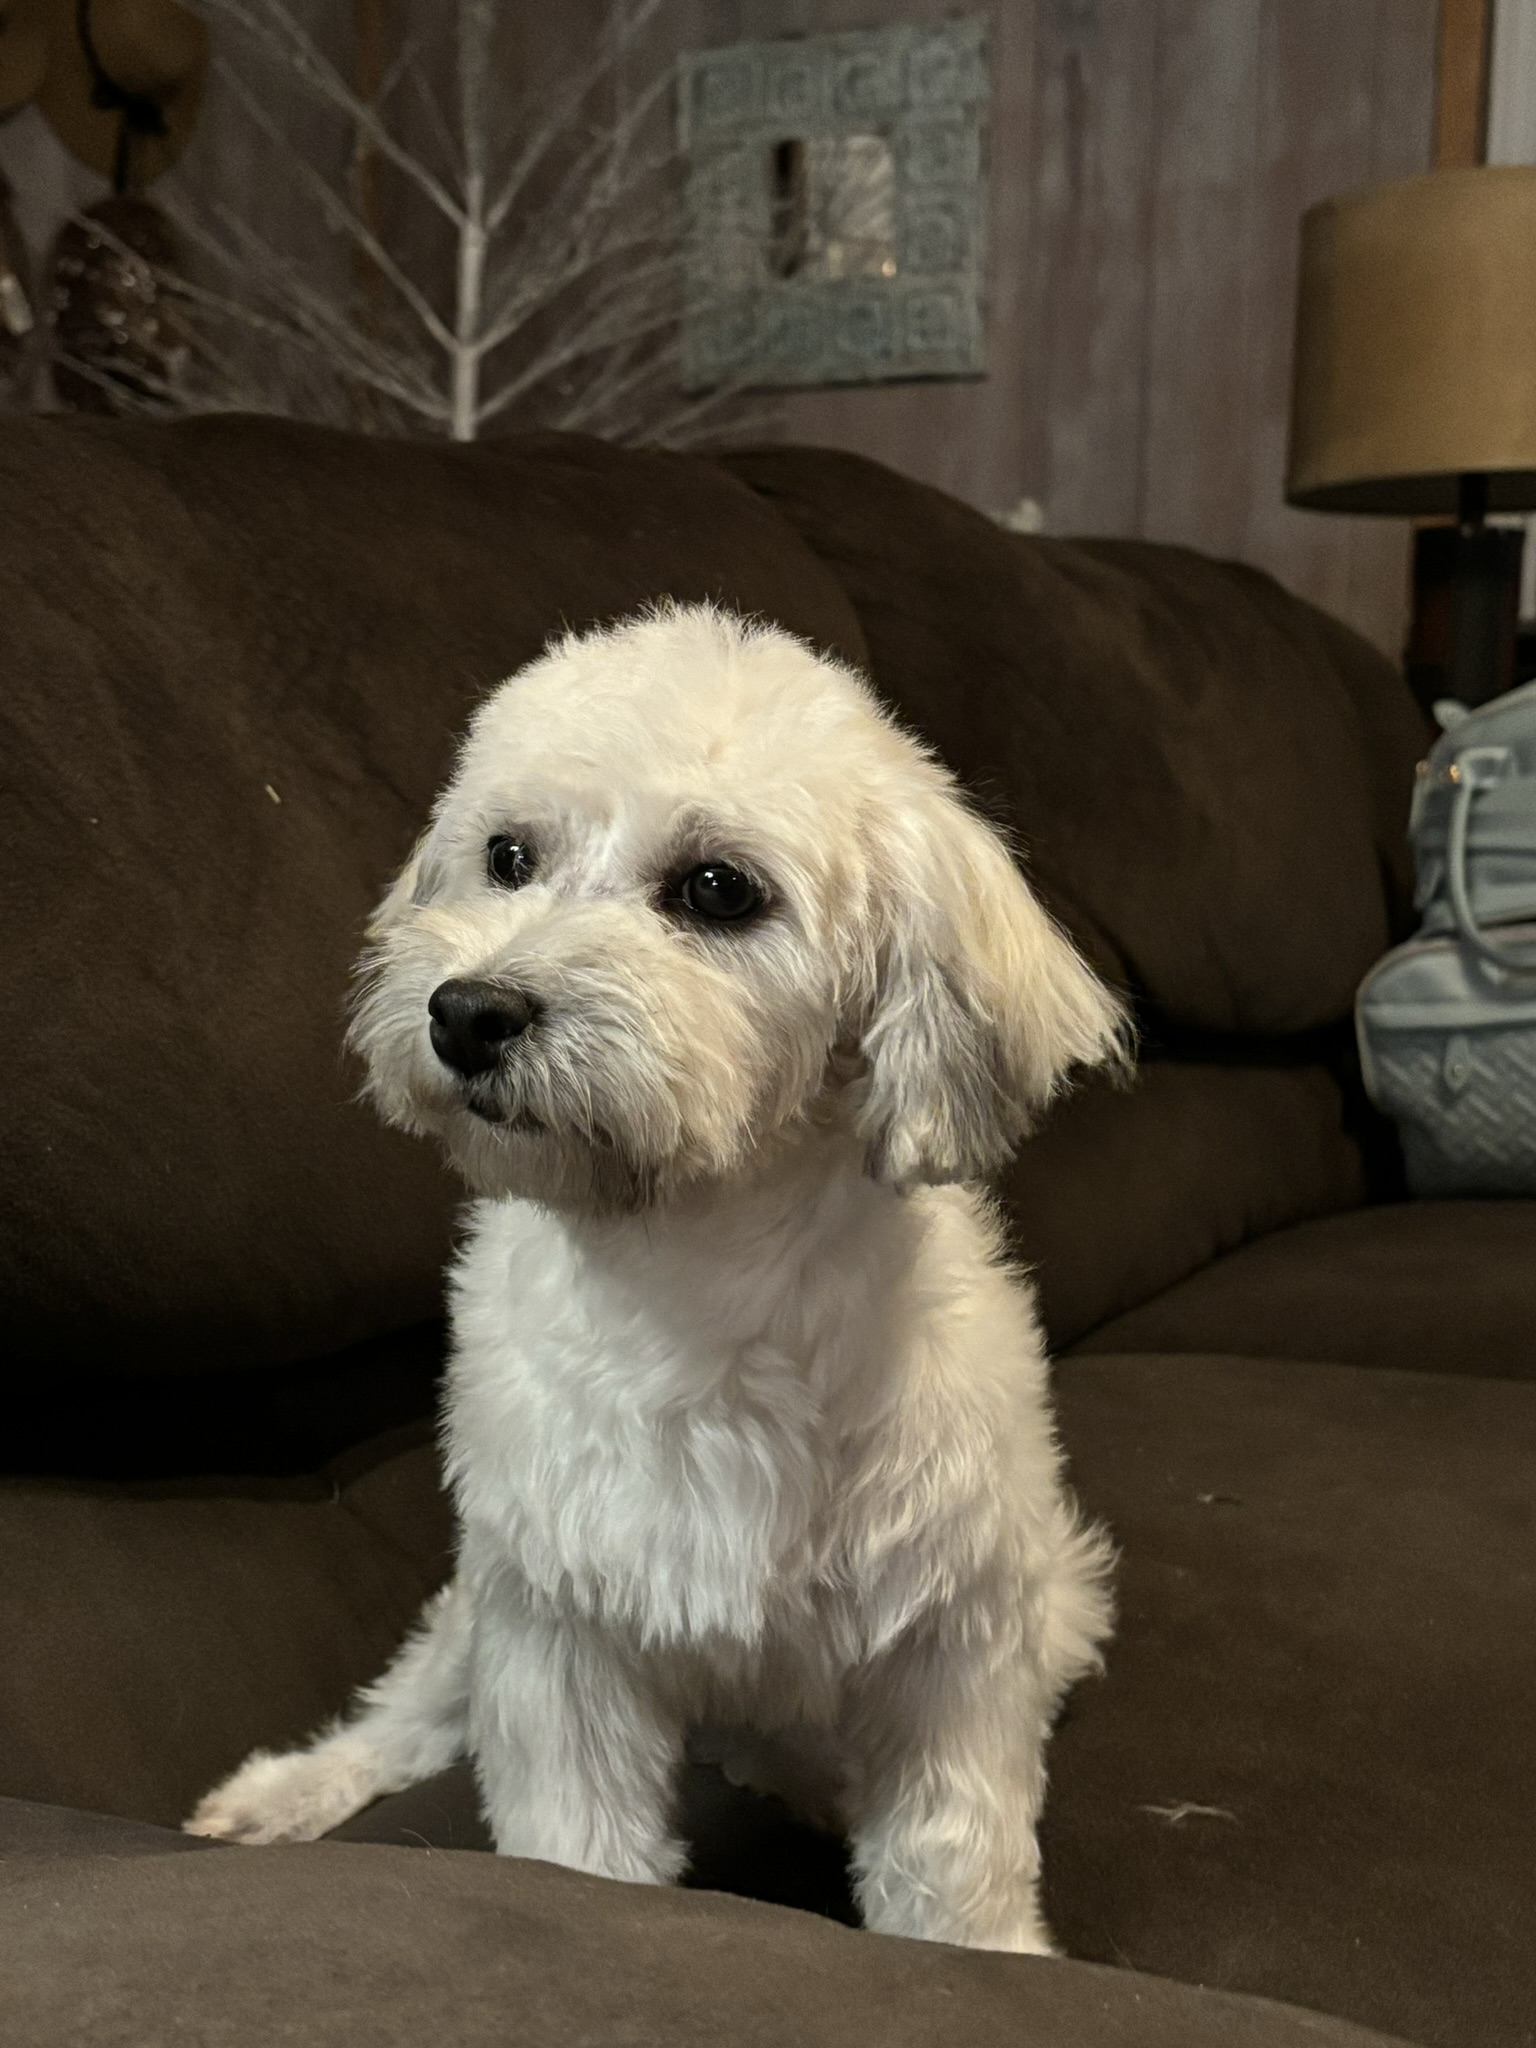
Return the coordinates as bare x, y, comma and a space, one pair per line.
1209, 778
1128, 1189
236, 654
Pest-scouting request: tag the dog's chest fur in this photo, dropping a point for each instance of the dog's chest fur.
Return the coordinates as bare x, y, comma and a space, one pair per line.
695, 1426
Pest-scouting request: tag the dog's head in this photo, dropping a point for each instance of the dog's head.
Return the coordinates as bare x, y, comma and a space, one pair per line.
689, 888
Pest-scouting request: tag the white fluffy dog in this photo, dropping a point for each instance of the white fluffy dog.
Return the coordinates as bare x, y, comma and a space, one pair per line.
721, 999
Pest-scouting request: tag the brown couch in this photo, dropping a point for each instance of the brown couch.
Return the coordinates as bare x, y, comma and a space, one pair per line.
234, 655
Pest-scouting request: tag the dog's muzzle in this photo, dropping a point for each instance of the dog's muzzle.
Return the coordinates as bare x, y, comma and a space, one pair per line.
472, 1021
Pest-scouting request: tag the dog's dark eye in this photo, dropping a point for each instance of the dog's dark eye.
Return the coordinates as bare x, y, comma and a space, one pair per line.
720, 892
509, 861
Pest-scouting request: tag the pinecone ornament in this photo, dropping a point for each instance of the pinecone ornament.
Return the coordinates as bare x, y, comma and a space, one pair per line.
119, 338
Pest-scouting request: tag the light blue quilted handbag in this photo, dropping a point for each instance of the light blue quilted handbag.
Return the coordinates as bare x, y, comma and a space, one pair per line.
1447, 1023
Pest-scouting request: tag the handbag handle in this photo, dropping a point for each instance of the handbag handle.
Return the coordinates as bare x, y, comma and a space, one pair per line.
1478, 768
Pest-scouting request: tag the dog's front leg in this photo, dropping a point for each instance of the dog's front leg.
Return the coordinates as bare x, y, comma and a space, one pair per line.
951, 1741
577, 1756
407, 1727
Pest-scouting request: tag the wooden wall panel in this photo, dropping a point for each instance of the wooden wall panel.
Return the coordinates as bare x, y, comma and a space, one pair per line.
1376, 596
1461, 100
1313, 136
1086, 270
1149, 163
1197, 456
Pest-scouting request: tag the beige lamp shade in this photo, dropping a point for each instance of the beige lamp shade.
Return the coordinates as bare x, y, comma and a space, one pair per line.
1416, 345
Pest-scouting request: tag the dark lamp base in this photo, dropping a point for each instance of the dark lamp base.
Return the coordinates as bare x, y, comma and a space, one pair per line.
1466, 598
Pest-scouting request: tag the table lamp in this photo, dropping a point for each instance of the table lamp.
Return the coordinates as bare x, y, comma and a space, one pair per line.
1415, 383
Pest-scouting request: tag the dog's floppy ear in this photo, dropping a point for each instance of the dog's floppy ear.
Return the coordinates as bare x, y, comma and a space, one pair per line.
981, 1004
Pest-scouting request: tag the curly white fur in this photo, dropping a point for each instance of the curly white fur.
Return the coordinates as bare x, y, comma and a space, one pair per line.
748, 1420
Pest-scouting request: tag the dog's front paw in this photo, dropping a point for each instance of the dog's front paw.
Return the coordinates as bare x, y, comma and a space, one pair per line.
290, 1798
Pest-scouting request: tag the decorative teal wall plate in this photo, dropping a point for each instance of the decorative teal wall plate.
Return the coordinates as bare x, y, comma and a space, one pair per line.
837, 207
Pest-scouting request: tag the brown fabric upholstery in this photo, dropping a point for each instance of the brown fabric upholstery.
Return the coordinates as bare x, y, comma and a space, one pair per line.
740, 1841
1210, 778
236, 655
1126, 1190
55, 1834
275, 1420
341, 1943
1328, 1634
154, 1635
1438, 1286
1327, 1642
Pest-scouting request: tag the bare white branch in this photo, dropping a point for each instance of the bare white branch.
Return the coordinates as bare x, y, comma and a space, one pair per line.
338, 214
273, 28
627, 25
483, 260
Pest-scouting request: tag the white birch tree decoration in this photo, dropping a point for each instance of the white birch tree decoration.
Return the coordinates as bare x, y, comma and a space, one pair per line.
486, 263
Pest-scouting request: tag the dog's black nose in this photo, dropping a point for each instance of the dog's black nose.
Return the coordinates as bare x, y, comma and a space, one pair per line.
472, 1021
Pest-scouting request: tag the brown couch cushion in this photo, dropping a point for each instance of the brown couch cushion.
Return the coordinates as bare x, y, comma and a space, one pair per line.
1305, 1773
1125, 1191
236, 654
1210, 777
740, 1841
1442, 1286
1328, 1636
341, 1943
57, 1834
276, 1420
154, 1635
